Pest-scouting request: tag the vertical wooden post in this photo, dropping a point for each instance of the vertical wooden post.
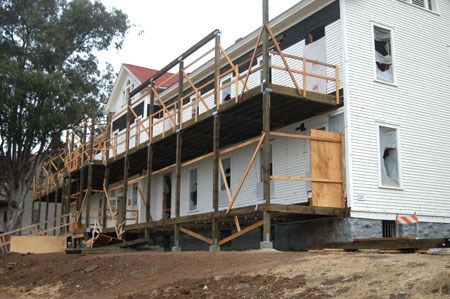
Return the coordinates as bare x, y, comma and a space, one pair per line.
90, 169
122, 206
55, 211
176, 236
106, 176
46, 205
33, 203
81, 182
39, 209
216, 147
151, 108
266, 243
63, 204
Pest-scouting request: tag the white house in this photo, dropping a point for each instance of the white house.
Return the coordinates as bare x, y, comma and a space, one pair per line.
372, 75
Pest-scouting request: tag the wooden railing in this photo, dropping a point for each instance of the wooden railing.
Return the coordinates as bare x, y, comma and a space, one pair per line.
175, 114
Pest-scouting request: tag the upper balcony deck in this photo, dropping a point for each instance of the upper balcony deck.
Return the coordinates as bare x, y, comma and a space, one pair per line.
230, 86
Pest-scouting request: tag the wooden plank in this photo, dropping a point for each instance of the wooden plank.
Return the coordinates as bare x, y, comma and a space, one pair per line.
305, 210
290, 178
196, 235
326, 164
392, 244
242, 232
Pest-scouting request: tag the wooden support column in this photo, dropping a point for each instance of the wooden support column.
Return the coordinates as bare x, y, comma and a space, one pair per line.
216, 147
81, 182
151, 108
89, 178
122, 205
33, 203
266, 243
106, 175
176, 236
63, 204
55, 211
39, 209
47, 197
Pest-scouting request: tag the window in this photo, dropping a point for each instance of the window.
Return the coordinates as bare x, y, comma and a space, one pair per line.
227, 169
128, 88
193, 190
194, 106
427, 4
225, 93
383, 54
388, 227
389, 157
134, 195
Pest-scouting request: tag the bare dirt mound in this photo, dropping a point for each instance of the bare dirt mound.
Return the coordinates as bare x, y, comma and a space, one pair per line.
252, 274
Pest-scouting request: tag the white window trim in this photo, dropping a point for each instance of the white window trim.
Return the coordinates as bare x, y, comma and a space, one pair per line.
394, 55
399, 156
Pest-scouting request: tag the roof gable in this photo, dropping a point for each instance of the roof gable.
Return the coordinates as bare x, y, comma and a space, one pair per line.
143, 74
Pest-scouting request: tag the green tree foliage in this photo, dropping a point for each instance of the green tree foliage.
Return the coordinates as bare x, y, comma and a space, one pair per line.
49, 79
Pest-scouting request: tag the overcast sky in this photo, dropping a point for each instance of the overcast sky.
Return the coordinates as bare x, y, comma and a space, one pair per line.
164, 29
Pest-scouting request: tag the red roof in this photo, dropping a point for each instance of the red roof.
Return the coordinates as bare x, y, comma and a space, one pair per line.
143, 74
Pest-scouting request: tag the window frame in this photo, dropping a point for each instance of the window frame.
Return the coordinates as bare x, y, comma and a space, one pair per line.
393, 53
399, 157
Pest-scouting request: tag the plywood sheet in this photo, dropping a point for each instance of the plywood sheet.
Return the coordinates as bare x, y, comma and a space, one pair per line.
326, 164
37, 244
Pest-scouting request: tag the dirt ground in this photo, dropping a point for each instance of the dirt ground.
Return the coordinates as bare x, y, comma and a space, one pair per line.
249, 274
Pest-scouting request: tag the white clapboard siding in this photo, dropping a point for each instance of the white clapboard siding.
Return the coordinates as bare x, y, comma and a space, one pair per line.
418, 104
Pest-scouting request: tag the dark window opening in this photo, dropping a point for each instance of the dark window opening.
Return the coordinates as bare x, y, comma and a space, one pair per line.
388, 227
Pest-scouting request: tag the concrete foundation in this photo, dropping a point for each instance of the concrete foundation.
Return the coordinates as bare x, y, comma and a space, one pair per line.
266, 245
214, 248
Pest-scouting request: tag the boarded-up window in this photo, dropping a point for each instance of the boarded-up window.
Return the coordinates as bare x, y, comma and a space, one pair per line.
383, 54
389, 157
